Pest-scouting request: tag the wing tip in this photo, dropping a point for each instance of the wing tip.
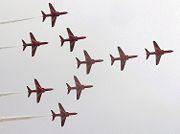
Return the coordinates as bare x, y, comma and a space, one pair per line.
75, 76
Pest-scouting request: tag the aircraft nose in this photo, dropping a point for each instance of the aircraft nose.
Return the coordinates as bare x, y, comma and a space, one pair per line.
83, 37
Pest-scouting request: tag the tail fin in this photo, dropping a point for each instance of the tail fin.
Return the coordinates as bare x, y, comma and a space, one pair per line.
62, 40
147, 53
24, 45
29, 91
53, 115
68, 87
43, 15
78, 62
112, 59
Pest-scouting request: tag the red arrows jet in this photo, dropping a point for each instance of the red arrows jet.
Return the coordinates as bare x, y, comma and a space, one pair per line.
72, 39
158, 52
54, 14
34, 43
123, 58
88, 61
39, 90
79, 87
63, 114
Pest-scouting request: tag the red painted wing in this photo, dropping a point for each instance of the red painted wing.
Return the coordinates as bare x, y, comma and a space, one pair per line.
33, 39
123, 62
158, 57
38, 86
76, 81
61, 108
78, 94
88, 67
72, 44
52, 10
87, 57
34, 50
53, 19
39, 96
70, 33
63, 119
121, 53
156, 47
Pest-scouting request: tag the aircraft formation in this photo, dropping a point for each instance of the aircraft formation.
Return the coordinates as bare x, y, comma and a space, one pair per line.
88, 61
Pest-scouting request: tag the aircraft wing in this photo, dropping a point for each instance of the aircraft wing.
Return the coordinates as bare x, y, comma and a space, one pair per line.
123, 62
39, 96
76, 81
63, 119
121, 53
53, 20
72, 44
156, 47
87, 57
33, 39
88, 67
78, 94
158, 57
34, 50
70, 33
52, 10
38, 86
61, 108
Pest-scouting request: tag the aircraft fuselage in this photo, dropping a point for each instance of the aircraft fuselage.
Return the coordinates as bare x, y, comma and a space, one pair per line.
66, 114
36, 43
82, 87
161, 52
75, 38
126, 57
56, 14
92, 61
42, 90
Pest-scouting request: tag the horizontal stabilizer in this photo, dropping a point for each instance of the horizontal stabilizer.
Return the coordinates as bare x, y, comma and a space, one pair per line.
29, 91
68, 87
24, 45
112, 59
147, 53
43, 15
62, 40
78, 62
53, 115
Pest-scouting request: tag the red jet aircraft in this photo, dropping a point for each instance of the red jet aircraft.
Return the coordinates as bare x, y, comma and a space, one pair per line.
72, 39
63, 114
123, 58
54, 14
158, 52
79, 87
88, 61
39, 90
34, 43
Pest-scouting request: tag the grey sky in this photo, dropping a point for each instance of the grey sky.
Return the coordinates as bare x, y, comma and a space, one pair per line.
143, 99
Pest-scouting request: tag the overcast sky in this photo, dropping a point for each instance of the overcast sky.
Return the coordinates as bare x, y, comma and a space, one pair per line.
143, 99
